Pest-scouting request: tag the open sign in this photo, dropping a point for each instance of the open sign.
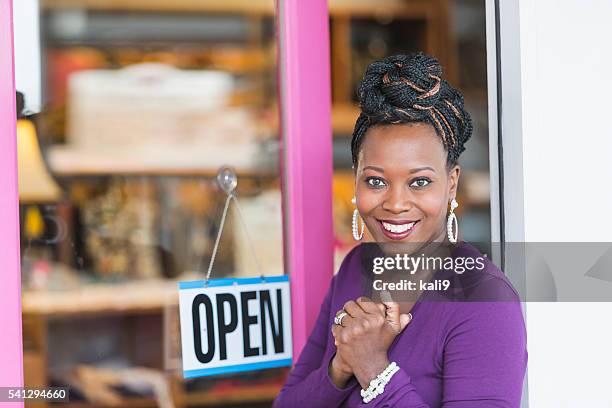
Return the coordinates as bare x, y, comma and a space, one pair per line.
234, 325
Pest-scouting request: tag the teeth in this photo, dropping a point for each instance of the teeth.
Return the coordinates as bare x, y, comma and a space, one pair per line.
397, 229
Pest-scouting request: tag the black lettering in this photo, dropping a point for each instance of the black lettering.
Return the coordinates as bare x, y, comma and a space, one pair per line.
197, 329
248, 320
224, 327
277, 336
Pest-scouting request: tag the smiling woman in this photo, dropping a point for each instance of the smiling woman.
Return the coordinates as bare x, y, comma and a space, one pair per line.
403, 184
420, 353
410, 169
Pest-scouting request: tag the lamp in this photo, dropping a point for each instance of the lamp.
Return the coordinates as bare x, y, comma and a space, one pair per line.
36, 185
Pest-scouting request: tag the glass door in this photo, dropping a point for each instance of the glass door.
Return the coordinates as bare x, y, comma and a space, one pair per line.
125, 112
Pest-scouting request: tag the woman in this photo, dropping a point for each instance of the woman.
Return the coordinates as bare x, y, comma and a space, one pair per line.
415, 353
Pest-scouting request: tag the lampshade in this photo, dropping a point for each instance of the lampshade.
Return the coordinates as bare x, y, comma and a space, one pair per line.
35, 183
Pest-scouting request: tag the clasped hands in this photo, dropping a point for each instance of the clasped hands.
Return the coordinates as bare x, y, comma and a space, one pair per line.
363, 339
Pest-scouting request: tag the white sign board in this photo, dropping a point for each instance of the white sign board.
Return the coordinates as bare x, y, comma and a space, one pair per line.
235, 325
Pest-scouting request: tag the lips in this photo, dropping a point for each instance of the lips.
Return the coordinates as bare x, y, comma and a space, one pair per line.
397, 229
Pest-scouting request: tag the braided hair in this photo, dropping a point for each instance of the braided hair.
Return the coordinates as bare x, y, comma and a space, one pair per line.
409, 89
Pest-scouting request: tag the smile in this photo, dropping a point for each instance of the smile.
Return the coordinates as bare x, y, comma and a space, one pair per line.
397, 230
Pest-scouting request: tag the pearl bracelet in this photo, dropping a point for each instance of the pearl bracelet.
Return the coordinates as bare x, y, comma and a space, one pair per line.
377, 385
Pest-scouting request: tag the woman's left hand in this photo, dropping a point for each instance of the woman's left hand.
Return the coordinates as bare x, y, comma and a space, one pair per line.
366, 335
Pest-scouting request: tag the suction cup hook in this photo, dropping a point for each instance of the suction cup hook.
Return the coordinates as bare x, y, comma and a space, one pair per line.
227, 180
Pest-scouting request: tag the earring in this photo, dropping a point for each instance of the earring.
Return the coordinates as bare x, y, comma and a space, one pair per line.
452, 219
356, 234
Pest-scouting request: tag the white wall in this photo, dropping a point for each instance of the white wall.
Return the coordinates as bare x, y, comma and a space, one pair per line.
564, 182
27, 52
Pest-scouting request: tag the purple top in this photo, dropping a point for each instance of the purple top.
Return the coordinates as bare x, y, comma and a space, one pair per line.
453, 354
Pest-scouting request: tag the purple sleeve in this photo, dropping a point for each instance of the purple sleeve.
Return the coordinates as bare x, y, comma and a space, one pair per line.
309, 382
485, 358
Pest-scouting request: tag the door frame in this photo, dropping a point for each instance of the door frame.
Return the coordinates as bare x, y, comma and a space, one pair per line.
505, 99
307, 162
11, 356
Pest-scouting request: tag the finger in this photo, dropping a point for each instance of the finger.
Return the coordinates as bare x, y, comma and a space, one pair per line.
382, 308
353, 309
347, 321
397, 320
335, 330
347, 317
336, 333
368, 305
391, 308
392, 313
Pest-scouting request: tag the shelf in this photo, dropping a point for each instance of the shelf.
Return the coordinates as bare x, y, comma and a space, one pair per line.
127, 403
72, 161
210, 6
475, 187
384, 8
413, 8
95, 299
66, 161
256, 393
343, 118
236, 395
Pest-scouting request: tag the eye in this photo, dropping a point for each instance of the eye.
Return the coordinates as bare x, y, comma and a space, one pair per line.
376, 182
420, 182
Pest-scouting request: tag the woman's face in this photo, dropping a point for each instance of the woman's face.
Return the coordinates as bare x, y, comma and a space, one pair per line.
403, 185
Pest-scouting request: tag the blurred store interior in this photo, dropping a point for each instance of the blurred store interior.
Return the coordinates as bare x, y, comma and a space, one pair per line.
140, 103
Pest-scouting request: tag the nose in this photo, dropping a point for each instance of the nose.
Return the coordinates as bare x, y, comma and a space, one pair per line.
397, 200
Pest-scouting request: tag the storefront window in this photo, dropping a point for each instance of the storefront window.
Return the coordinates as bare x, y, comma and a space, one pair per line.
141, 104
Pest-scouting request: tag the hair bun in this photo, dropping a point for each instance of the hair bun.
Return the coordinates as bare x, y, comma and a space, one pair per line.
411, 82
408, 89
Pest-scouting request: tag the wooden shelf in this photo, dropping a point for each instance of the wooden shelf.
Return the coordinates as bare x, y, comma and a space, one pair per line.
127, 403
405, 8
209, 6
247, 394
65, 161
383, 8
132, 171
344, 117
95, 299
255, 393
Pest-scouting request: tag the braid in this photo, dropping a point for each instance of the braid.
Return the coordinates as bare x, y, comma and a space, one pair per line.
410, 89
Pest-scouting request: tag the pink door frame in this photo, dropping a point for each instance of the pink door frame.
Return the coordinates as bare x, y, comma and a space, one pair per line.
305, 87
307, 174
11, 349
